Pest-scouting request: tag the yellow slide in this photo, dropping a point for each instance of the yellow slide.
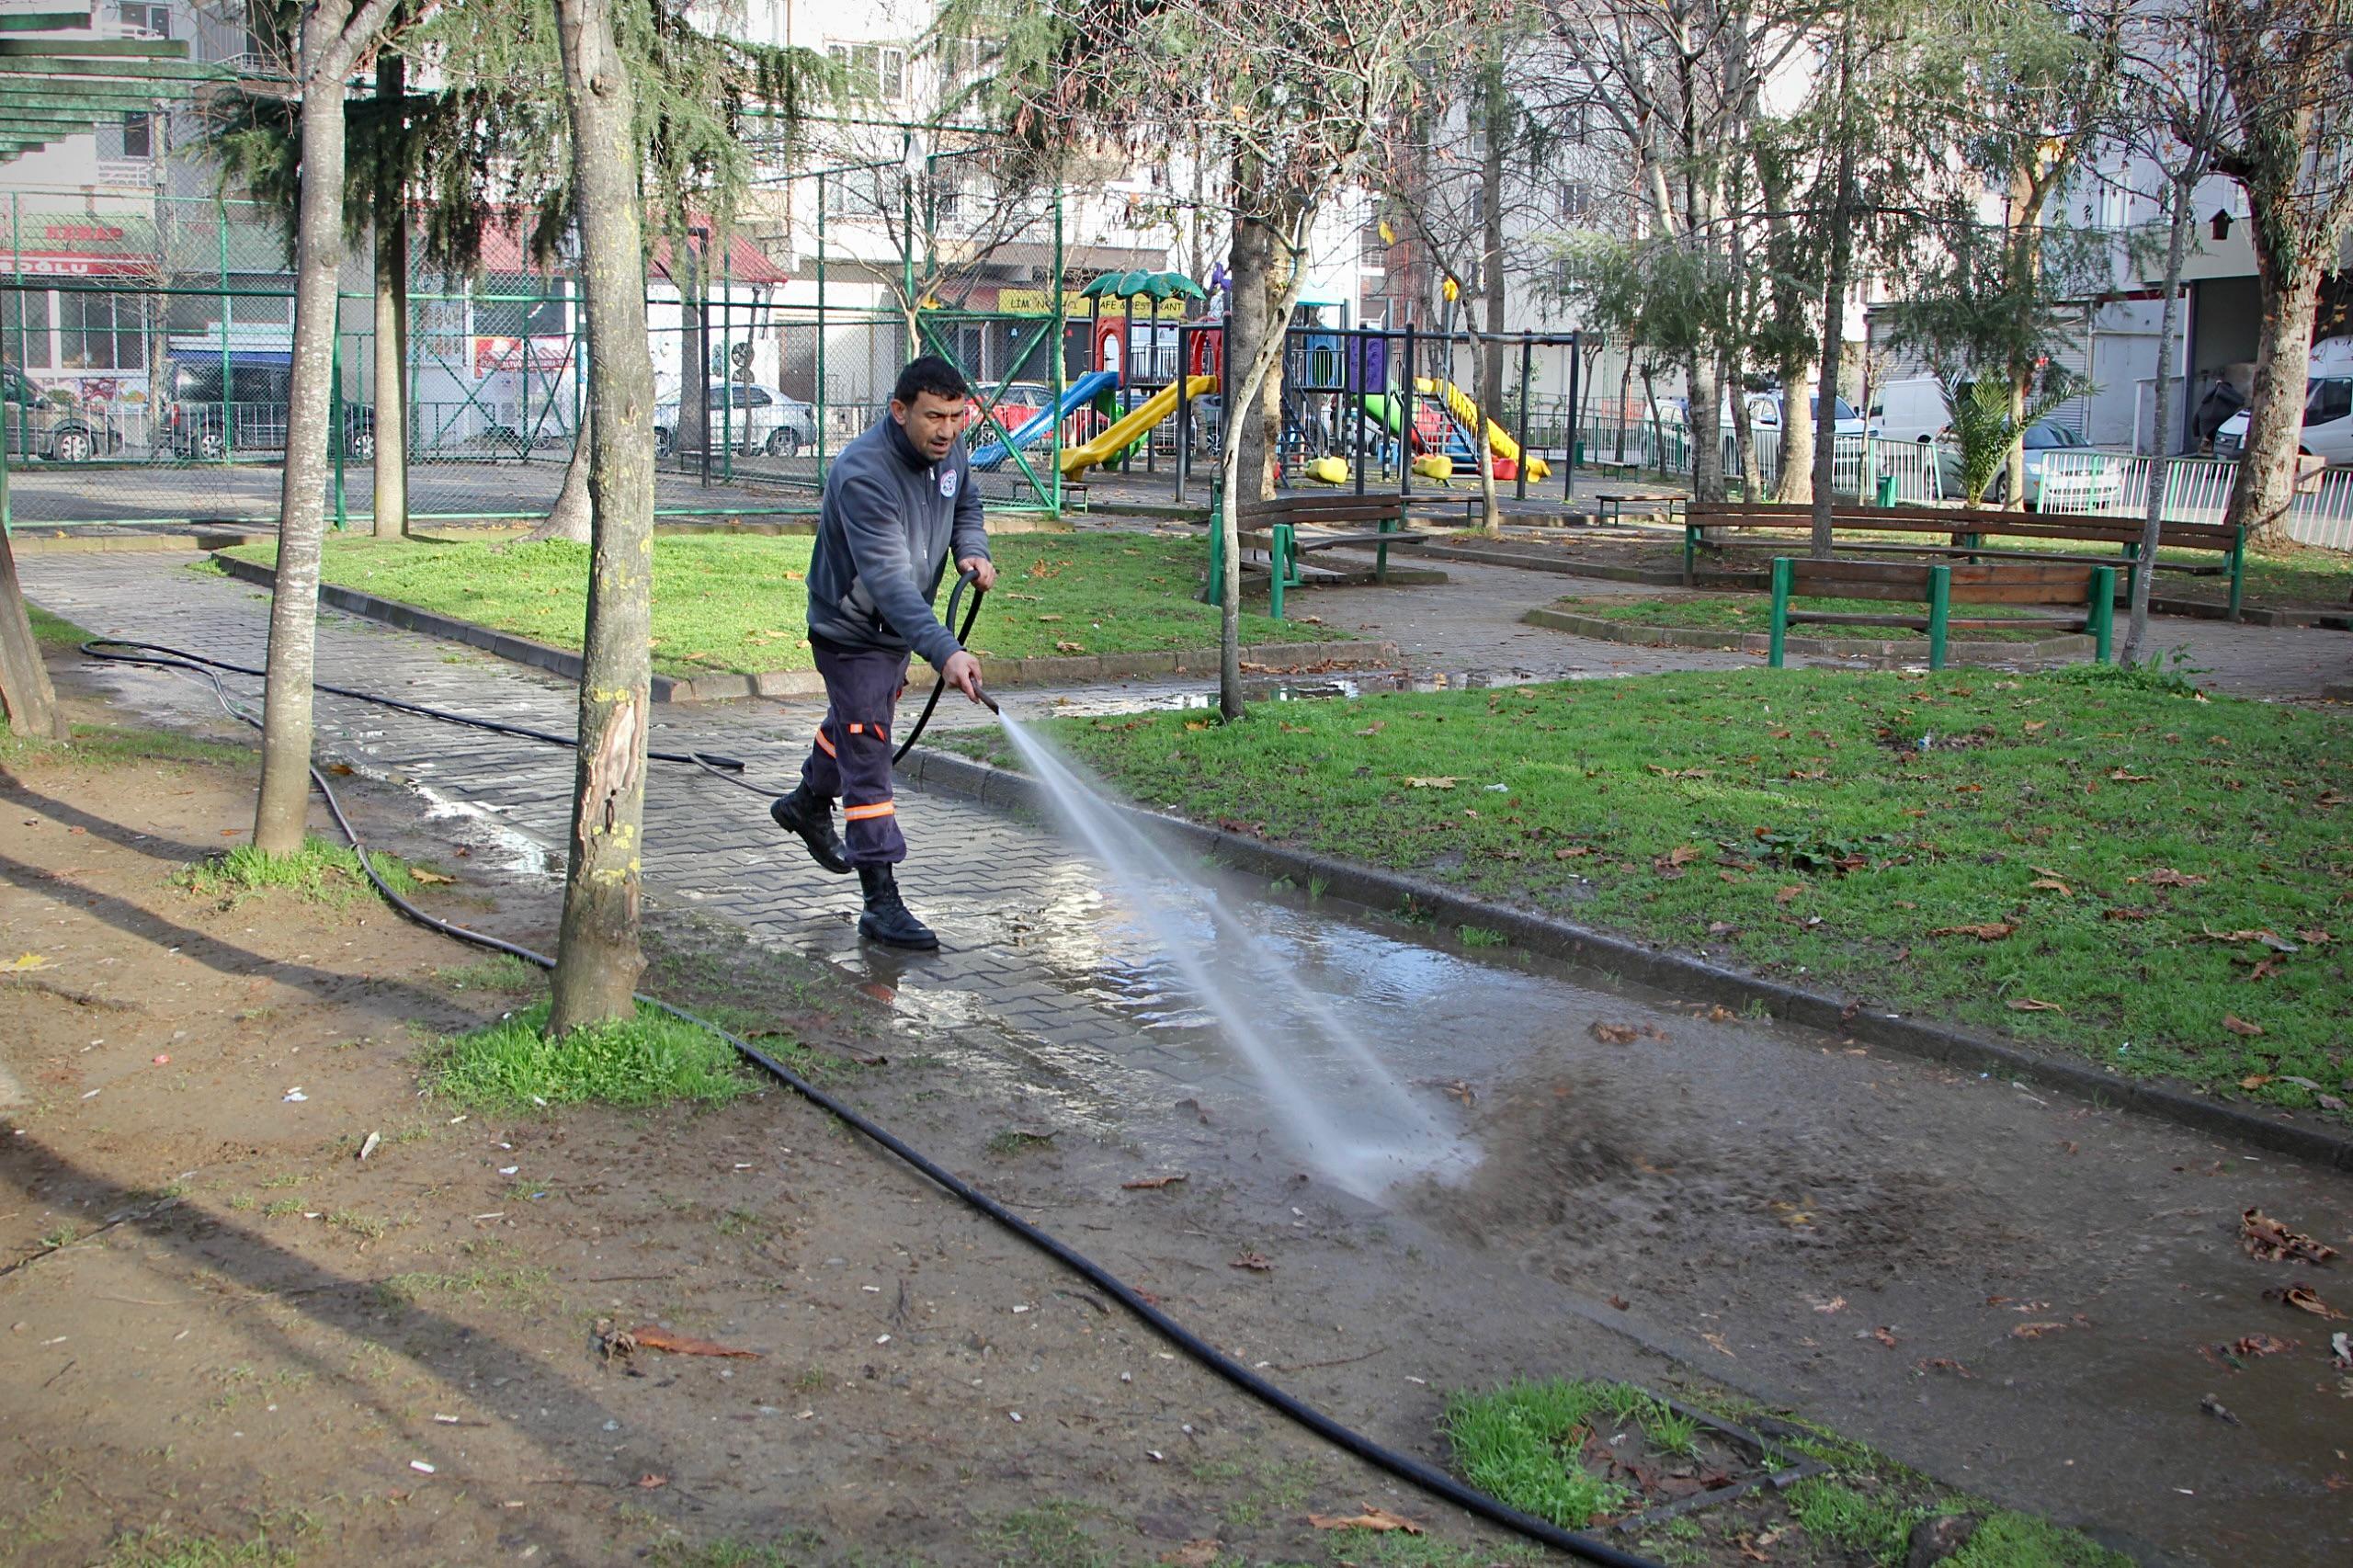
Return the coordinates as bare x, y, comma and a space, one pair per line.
1502, 445
1124, 432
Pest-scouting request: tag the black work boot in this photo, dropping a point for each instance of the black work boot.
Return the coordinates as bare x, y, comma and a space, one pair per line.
812, 816
886, 919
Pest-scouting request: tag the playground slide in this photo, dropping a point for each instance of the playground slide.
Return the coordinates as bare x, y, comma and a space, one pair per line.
1131, 426
1459, 403
1382, 409
1078, 395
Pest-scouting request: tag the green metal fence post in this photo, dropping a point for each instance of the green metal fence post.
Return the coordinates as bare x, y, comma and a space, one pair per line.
1939, 611
1784, 574
1058, 330
335, 411
228, 378
822, 409
2103, 610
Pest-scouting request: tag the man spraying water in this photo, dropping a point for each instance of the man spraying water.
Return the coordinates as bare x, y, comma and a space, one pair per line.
898, 502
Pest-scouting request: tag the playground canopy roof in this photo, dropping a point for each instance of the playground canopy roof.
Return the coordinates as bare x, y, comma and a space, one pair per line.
54, 85
1141, 284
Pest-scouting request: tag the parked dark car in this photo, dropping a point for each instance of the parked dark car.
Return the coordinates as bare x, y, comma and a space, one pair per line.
38, 427
198, 422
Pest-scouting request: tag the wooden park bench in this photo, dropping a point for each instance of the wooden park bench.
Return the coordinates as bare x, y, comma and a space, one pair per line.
1290, 526
2088, 590
1609, 506
1963, 532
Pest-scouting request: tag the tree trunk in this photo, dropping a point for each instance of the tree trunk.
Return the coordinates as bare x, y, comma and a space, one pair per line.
1625, 399
1743, 431
392, 313
1486, 362
1793, 478
1251, 293
1490, 242
26, 697
571, 516
2266, 487
2136, 626
282, 812
1703, 419
597, 960
693, 433
1834, 303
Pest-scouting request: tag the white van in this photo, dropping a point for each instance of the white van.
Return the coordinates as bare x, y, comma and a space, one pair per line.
1912, 409
2328, 408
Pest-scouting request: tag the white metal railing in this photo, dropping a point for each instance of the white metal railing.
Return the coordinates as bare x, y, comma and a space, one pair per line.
2324, 514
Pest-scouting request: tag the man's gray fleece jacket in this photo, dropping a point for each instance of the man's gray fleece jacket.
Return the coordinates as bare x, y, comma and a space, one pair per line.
890, 522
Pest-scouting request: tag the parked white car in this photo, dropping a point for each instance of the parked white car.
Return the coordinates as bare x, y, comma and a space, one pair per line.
755, 419
2328, 409
2063, 472
1764, 412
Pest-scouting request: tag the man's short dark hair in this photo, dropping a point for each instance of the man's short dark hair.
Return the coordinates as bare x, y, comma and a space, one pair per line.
929, 374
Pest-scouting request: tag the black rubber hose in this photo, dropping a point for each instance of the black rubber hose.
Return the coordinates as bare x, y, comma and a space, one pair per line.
962, 581
1404, 1467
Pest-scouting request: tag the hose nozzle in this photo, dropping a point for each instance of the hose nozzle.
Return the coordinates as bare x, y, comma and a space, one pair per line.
987, 701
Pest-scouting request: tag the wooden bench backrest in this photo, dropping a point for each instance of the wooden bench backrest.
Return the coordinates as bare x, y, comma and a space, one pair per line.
1986, 583
1981, 521
1340, 507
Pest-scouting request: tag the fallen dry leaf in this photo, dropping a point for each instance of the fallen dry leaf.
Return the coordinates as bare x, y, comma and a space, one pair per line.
653, 1482
1441, 782
1716, 1342
2123, 778
2125, 914
1945, 1364
27, 961
430, 879
2267, 1238
2166, 877
1836, 1303
1719, 1013
2239, 1026
1256, 1262
1192, 1554
1683, 855
2315, 936
1987, 931
2034, 1330
1371, 1518
2304, 1299
1152, 1183
2053, 884
651, 1339
2036, 726
2028, 1004
1374, 728
1783, 895
1885, 1335
1061, 647
1626, 1034
2256, 1345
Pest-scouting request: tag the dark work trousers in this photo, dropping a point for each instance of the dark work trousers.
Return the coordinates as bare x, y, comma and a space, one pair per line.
852, 760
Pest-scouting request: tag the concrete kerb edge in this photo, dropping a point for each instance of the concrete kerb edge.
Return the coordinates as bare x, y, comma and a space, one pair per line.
1666, 968
2066, 648
1073, 670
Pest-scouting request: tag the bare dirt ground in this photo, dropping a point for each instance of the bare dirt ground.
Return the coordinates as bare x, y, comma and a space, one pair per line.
216, 1322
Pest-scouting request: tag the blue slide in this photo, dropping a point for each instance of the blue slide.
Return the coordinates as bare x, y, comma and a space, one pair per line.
1081, 392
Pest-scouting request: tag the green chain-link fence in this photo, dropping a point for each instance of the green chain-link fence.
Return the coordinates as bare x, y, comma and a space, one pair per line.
147, 357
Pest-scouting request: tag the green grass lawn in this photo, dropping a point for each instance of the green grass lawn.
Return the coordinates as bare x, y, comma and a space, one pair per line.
1754, 612
741, 604
2094, 859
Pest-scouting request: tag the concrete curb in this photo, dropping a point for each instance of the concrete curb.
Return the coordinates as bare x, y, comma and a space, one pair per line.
2066, 648
1687, 974
179, 542
1075, 670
